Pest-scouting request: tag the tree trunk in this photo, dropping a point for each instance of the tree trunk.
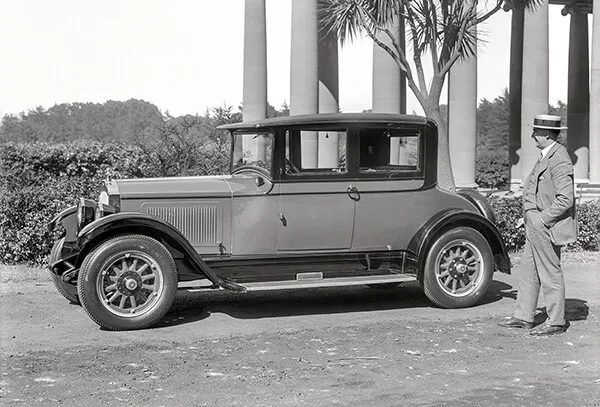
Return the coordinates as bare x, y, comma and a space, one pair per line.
445, 175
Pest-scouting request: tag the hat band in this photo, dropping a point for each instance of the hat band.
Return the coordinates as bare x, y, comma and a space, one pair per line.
546, 123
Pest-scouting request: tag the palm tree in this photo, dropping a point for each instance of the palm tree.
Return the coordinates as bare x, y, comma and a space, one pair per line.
444, 29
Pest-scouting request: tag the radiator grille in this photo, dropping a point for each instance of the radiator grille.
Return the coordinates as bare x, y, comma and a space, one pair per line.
201, 224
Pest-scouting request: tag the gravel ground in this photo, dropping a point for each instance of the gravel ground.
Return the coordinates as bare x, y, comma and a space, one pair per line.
352, 346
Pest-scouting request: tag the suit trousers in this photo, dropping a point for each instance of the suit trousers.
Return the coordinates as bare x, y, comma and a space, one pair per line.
540, 268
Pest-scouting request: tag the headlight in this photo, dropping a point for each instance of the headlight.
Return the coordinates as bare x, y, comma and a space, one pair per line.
110, 195
104, 208
86, 212
103, 198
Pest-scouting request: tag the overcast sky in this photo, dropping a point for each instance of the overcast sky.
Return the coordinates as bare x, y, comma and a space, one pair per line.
185, 56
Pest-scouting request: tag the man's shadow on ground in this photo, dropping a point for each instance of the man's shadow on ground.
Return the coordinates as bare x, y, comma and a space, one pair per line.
575, 309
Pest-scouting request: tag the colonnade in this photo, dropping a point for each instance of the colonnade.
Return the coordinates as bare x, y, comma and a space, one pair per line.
529, 83
314, 87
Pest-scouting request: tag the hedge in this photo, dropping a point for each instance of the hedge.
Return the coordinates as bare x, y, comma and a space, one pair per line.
38, 180
509, 209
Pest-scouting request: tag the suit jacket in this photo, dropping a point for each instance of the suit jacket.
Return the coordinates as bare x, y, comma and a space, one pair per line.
555, 194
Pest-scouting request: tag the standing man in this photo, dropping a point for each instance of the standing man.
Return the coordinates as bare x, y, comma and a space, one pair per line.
549, 218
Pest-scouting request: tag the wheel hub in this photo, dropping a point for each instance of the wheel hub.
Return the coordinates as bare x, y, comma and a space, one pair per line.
129, 283
457, 268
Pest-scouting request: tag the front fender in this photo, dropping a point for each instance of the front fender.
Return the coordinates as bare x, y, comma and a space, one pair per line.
137, 222
448, 218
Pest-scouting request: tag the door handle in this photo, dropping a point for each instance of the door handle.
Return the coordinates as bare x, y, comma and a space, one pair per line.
353, 193
283, 220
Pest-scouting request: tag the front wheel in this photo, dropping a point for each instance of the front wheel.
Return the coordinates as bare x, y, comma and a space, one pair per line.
127, 282
458, 268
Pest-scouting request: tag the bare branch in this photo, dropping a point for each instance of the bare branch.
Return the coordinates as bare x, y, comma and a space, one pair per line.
402, 56
489, 13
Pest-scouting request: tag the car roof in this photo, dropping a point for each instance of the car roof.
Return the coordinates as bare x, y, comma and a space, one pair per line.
330, 118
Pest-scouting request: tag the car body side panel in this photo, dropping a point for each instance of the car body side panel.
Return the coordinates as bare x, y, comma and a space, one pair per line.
205, 223
198, 207
256, 213
389, 213
315, 215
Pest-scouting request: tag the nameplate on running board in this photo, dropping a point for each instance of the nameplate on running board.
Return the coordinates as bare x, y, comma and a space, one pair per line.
309, 276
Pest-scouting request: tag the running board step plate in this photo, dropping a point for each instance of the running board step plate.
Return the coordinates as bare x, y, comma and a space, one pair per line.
328, 282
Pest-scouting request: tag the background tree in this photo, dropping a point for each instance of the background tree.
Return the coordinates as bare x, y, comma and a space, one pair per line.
444, 29
130, 121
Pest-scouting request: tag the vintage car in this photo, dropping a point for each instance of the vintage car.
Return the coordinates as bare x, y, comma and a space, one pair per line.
312, 201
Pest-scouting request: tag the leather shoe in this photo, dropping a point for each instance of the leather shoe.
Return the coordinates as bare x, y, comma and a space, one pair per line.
546, 329
515, 323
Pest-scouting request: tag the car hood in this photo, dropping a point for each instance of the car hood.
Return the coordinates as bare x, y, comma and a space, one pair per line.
177, 187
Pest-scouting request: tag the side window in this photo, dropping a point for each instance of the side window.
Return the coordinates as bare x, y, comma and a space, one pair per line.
252, 149
389, 151
315, 152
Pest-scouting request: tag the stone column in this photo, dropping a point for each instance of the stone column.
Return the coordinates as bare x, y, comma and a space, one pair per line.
514, 101
304, 85
328, 95
389, 85
254, 103
535, 80
595, 99
579, 96
462, 121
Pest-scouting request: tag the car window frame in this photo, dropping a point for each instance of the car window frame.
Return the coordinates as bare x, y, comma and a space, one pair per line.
308, 176
411, 130
273, 133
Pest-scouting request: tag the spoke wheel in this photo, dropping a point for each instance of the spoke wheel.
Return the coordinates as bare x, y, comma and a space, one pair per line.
127, 282
458, 268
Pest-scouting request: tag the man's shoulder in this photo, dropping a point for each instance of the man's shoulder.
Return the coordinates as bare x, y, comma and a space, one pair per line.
560, 153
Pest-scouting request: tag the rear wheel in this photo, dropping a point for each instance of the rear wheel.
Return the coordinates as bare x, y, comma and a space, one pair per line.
458, 268
67, 290
127, 282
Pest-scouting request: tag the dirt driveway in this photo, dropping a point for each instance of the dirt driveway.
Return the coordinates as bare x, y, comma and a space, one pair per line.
355, 346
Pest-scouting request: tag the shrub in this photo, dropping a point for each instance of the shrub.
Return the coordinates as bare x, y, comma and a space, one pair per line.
588, 222
38, 180
492, 169
509, 209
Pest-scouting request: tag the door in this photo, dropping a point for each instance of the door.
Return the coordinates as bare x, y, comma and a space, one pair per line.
315, 216
317, 197
389, 179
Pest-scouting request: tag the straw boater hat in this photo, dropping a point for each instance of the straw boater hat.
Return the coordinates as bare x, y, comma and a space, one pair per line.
546, 121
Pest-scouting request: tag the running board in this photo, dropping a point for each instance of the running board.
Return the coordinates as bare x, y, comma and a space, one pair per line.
328, 282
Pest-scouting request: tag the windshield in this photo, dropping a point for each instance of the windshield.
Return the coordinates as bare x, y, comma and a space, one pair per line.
254, 148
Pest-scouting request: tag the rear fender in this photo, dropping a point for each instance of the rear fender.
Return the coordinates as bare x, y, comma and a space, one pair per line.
450, 218
480, 202
136, 222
